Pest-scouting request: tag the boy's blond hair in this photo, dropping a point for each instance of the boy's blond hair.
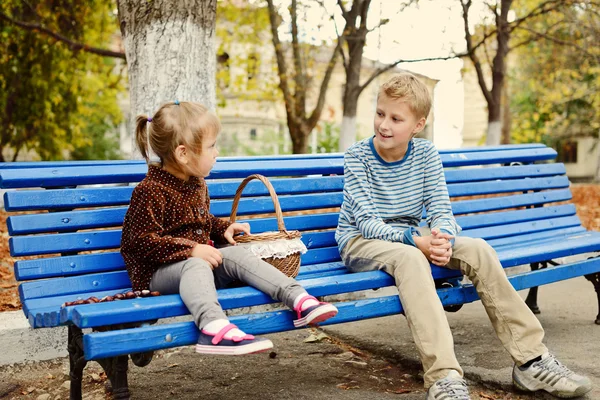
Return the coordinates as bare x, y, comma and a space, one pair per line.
409, 88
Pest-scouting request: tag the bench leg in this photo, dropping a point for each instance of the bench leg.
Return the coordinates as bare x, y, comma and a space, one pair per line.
116, 371
531, 299
595, 279
448, 284
77, 361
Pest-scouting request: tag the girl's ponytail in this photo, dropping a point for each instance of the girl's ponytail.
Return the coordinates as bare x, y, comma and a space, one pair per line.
141, 136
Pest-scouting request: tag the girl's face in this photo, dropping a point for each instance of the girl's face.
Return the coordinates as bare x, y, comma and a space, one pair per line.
190, 163
203, 163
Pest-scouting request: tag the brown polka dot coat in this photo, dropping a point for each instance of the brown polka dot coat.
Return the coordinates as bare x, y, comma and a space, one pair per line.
166, 218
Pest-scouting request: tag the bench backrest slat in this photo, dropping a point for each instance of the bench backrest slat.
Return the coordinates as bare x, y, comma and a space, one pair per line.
69, 176
114, 196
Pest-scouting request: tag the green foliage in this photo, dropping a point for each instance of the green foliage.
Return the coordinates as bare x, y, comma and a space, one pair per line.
557, 82
244, 43
329, 138
55, 101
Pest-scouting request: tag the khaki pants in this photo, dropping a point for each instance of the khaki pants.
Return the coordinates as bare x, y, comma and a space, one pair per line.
517, 328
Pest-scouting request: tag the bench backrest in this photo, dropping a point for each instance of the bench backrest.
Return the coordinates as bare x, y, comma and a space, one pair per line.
74, 212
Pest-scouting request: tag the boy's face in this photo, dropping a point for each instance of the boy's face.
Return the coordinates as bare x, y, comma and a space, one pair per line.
395, 125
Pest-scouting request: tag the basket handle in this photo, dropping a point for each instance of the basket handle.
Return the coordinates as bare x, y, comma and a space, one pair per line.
265, 181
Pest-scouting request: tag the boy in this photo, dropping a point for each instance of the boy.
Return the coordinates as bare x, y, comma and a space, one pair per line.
389, 178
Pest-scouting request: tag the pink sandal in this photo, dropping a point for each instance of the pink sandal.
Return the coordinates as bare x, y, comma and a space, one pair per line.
238, 345
315, 314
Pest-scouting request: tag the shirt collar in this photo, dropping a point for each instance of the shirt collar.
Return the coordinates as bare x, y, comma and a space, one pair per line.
158, 174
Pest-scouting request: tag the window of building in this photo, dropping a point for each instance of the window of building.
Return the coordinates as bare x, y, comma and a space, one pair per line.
253, 134
567, 151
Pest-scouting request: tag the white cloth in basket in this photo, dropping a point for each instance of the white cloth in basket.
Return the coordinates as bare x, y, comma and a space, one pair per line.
280, 248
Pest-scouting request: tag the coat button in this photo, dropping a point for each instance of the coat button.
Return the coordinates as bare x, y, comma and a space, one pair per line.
199, 231
202, 211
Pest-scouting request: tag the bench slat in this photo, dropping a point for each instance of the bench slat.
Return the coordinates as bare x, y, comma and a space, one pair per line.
522, 254
111, 196
497, 232
111, 217
551, 233
72, 176
506, 202
112, 343
97, 314
89, 263
96, 163
525, 252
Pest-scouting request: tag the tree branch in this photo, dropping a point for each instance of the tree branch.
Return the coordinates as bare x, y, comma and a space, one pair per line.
471, 52
281, 65
299, 77
73, 45
380, 71
557, 41
316, 114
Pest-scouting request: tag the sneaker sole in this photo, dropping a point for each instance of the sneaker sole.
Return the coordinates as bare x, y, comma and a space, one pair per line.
251, 348
563, 395
317, 316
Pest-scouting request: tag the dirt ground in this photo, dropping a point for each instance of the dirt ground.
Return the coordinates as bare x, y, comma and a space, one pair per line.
323, 369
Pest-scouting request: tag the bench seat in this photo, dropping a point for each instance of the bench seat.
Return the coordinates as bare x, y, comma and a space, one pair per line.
511, 196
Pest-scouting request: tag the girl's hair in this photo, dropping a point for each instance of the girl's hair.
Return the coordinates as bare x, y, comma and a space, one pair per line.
178, 123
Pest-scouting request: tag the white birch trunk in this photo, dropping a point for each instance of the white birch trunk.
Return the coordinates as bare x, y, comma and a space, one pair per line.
171, 54
347, 133
494, 133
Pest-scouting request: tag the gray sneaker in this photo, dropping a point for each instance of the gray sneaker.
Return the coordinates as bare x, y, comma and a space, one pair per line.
452, 387
551, 375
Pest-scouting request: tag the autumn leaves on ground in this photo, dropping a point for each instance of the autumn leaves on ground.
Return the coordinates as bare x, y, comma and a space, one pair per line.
585, 196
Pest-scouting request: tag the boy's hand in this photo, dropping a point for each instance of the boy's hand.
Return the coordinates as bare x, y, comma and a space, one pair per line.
235, 228
209, 254
436, 247
441, 248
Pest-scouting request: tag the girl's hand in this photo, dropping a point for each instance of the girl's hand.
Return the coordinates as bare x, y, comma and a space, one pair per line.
209, 254
234, 229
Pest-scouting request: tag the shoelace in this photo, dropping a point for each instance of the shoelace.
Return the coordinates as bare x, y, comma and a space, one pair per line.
551, 364
456, 388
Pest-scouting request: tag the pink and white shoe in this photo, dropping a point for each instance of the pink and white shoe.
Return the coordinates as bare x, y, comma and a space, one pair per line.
313, 315
209, 343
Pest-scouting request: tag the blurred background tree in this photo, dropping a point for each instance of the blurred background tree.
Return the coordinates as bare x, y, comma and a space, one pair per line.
558, 79
56, 99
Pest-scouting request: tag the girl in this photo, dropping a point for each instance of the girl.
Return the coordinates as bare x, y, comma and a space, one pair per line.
168, 228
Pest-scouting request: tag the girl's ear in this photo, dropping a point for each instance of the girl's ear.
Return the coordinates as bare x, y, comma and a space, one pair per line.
181, 154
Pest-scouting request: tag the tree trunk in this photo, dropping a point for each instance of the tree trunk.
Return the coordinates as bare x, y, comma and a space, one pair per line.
347, 132
170, 49
299, 135
506, 117
355, 37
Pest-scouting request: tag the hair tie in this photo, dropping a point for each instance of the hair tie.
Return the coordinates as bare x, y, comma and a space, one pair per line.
176, 102
150, 119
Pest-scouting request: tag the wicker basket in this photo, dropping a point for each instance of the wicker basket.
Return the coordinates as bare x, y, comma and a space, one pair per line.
289, 265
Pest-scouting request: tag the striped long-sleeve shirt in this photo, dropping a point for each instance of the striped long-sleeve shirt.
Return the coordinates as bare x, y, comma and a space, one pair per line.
385, 201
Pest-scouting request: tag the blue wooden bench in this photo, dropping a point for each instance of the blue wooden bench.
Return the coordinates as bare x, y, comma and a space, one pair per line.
75, 209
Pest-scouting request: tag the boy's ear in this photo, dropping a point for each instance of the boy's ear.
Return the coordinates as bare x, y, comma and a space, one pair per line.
420, 125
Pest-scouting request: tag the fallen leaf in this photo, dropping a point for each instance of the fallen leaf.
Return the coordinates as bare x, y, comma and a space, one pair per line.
347, 386
316, 337
399, 391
